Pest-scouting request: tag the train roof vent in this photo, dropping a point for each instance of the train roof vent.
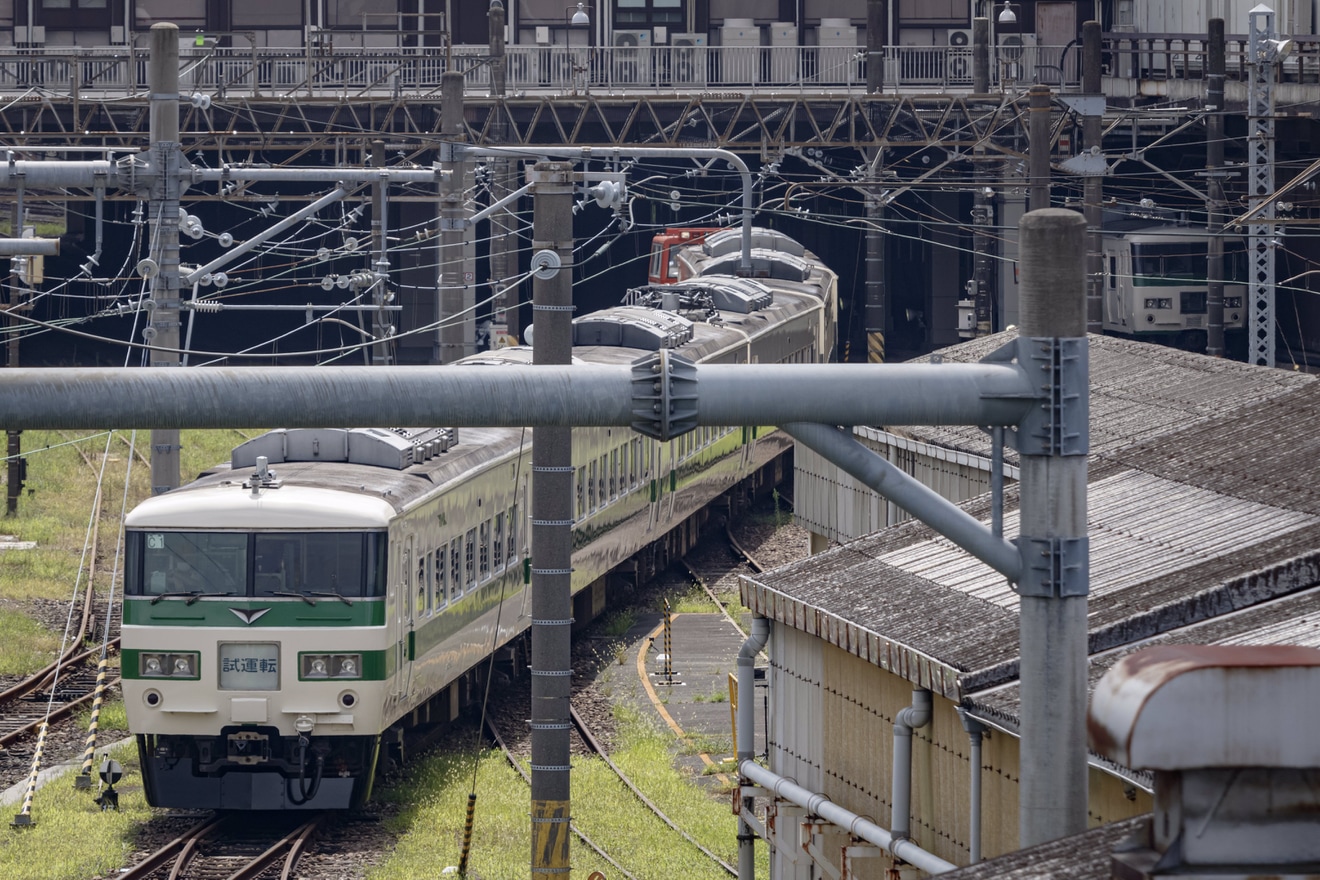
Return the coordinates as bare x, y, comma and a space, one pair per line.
728, 241
394, 448
632, 327
765, 264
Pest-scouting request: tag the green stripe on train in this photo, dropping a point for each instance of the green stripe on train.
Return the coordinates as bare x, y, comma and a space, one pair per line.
253, 613
376, 666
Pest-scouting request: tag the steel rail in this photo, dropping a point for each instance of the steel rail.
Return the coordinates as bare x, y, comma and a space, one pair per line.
595, 746
513, 762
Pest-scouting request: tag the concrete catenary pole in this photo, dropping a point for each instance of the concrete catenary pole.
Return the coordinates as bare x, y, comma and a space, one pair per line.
458, 324
1055, 578
1214, 173
380, 319
877, 33
552, 524
1038, 138
504, 307
163, 331
877, 38
980, 55
1093, 189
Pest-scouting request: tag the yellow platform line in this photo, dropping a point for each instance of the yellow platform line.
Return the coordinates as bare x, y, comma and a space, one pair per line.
655, 698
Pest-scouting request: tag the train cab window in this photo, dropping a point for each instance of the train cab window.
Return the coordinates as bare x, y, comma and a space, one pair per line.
205, 563
331, 563
497, 544
441, 577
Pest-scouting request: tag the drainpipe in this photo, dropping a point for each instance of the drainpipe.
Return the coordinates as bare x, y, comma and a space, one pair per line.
746, 734
974, 730
912, 717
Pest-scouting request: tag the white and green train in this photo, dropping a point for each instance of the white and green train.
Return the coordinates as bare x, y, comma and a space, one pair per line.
288, 612
1155, 284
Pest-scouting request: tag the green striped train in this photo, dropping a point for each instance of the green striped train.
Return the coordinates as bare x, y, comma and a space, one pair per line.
289, 612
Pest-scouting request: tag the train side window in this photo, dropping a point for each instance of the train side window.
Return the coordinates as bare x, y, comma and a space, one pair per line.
581, 492
455, 570
483, 546
497, 545
470, 559
604, 479
423, 588
513, 534
441, 578
1113, 272
591, 485
614, 474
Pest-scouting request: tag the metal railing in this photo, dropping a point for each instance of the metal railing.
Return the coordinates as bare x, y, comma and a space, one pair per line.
326, 70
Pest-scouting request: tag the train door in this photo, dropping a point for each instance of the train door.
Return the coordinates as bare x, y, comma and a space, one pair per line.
406, 620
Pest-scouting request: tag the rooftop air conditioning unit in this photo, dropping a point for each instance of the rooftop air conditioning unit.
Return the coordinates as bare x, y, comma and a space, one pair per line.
959, 60
784, 55
1017, 57
687, 59
631, 59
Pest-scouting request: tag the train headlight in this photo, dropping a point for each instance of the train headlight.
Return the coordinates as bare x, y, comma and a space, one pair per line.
337, 666
176, 664
1162, 302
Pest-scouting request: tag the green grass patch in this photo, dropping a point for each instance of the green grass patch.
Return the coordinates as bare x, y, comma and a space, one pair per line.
112, 717
617, 623
71, 838
25, 645
694, 601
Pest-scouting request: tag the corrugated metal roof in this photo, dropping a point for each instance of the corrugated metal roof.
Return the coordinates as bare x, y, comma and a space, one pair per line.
1139, 391
1200, 504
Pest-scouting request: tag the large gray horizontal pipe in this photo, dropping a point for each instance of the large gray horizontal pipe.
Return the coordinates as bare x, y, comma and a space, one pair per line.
22, 247
475, 396
820, 805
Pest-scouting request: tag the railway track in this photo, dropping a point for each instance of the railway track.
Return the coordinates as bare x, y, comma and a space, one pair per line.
67, 684
231, 847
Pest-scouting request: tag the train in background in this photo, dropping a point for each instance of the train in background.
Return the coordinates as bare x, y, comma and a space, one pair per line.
1155, 285
289, 612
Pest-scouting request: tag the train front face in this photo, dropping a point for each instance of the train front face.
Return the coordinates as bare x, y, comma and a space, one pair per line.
257, 652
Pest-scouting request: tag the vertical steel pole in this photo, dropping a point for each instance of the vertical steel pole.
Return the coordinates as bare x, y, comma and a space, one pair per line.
980, 55
1214, 173
1054, 582
458, 331
504, 308
877, 36
163, 332
1093, 188
552, 525
1260, 192
380, 319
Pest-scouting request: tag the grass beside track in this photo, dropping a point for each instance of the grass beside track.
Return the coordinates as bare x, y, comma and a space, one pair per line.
71, 838
434, 798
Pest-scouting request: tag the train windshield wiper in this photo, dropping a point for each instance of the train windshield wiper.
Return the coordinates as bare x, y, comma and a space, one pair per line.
339, 596
308, 599
191, 595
